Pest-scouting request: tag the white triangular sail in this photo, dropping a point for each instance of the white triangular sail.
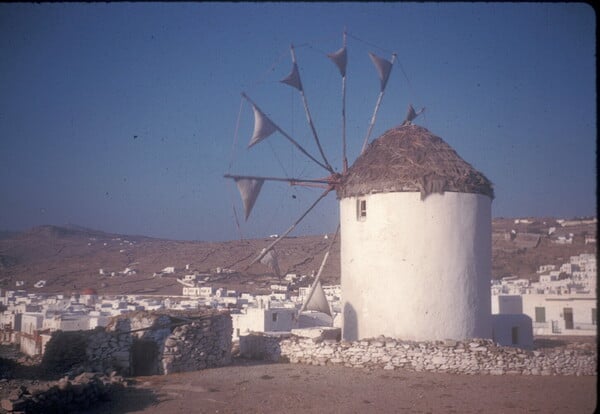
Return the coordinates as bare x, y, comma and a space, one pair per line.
293, 79
263, 127
270, 259
340, 58
316, 300
383, 66
249, 189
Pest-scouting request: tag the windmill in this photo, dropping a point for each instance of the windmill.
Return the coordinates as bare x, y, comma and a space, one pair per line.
250, 186
415, 225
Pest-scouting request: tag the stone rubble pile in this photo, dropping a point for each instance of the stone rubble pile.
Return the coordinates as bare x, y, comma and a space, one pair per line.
63, 396
476, 356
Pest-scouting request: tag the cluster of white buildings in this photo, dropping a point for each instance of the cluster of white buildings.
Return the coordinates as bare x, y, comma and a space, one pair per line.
278, 311
29, 319
562, 302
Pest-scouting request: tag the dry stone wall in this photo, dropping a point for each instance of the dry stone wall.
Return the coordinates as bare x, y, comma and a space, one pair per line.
202, 344
477, 356
109, 350
148, 343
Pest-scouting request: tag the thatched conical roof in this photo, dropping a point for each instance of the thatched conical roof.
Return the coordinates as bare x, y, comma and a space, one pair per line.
409, 158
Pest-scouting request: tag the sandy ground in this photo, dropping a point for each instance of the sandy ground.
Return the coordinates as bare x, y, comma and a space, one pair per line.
291, 388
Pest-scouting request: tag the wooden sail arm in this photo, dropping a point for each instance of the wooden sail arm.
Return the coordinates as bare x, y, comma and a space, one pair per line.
292, 181
318, 277
344, 156
289, 230
308, 116
377, 105
288, 137
325, 182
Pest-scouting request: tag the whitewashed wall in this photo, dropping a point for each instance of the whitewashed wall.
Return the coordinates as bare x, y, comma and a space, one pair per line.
417, 270
554, 306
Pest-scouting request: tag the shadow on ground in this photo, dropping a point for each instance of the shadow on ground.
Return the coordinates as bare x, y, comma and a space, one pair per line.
126, 400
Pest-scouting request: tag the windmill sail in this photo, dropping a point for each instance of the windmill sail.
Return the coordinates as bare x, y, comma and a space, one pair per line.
316, 300
293, 79
411, 115
249, 189
263, 127
270, 259
383, 66
340, 58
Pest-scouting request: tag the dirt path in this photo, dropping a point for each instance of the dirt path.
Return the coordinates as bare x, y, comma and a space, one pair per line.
276, 388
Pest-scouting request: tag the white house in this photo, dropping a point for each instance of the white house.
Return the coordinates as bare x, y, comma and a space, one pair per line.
562, 314
66, 322
31, 324
263, 318
557, 306
191, 291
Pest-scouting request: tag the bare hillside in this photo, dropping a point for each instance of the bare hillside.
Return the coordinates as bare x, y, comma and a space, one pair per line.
69, 258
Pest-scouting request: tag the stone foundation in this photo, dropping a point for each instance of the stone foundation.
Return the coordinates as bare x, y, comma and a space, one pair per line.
477, 356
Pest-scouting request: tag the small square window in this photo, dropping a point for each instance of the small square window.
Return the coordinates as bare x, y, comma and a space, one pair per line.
361, 209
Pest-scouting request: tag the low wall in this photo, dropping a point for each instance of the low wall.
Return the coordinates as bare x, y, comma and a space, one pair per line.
146, 343
477, 356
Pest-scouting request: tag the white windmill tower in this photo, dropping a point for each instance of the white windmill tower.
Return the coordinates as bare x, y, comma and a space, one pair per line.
415, 225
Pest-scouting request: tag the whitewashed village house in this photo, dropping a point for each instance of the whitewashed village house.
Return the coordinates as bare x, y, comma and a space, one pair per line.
557, 306
265, 317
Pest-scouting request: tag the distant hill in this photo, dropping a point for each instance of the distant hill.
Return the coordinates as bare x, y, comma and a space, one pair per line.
70, 257
5, 234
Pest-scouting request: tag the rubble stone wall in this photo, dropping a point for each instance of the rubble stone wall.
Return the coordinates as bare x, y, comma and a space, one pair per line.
108, 350
477, 356
147, 343
202, 344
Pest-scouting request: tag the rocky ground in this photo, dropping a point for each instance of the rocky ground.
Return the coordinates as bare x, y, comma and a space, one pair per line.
260, 387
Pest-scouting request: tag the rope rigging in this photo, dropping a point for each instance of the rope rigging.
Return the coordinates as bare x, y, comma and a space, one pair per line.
264, 127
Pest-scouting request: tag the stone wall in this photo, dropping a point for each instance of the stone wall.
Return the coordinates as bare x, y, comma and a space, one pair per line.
202, 344
477, 356
109, 350
148, 343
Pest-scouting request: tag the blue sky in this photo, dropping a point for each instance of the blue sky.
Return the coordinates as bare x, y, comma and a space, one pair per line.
122, 117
